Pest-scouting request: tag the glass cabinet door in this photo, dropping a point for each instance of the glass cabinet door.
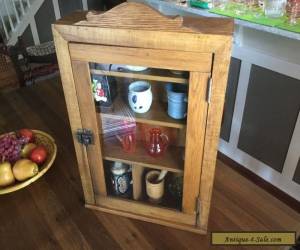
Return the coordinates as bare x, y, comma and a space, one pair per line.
142, 113
148, 124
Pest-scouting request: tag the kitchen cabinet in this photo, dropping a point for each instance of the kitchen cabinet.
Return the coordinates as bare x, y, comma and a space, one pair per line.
134, 43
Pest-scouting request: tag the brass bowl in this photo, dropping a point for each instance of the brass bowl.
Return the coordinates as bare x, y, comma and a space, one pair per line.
41, 138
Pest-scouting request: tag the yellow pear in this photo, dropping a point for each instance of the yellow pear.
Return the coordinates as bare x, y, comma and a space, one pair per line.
6, 174
24, 169
27, 149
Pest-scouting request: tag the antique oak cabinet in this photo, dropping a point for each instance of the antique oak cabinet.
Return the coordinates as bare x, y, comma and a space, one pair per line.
189, 54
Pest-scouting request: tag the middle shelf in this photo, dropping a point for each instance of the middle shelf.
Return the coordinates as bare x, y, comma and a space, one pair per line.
172, 160
157, 115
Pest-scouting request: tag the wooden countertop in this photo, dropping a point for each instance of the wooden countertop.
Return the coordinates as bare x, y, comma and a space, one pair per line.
50, 213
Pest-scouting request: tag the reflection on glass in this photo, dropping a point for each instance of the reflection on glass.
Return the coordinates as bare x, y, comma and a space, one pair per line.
143, 118
275, 8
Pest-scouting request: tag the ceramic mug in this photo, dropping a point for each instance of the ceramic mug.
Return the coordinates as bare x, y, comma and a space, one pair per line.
140, 96
154, 189
177, 100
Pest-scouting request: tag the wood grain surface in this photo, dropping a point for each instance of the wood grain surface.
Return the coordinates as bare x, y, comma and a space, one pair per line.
207, 34
154, 58
50, 213
137, 179
148, 74
213, 124
89, 121
195, 133
143, 17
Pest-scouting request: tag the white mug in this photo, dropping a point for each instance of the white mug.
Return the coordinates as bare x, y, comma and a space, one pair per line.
135, 68
140, 96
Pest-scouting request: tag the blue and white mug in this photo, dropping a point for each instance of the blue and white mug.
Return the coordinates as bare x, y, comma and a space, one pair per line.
140, 96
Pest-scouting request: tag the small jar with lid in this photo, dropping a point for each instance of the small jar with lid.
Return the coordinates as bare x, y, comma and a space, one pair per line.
121, 179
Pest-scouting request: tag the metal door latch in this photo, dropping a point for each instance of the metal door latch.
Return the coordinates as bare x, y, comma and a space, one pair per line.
85, 136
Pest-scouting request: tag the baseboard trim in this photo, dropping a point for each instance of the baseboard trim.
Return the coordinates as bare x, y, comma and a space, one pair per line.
273, 190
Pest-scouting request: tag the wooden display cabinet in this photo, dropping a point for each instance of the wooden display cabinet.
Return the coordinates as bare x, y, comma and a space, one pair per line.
135, 34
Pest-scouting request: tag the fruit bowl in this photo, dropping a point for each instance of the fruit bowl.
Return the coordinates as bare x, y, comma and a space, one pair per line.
41, 138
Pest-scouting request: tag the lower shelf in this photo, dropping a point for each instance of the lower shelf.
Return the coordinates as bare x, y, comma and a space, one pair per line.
167, 203
145, 213
118, 187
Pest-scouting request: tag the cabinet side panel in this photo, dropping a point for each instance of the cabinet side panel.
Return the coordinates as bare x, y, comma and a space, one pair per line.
215, 111
66, 73
196, 123
90, 121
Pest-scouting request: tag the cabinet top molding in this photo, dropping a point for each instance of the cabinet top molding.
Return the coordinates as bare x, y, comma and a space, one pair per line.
140, 26
143, 17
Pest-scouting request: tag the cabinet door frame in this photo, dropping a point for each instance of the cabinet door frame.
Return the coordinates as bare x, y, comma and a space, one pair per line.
91, 122
195, 136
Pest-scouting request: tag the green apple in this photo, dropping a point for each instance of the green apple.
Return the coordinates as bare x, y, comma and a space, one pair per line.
26, 150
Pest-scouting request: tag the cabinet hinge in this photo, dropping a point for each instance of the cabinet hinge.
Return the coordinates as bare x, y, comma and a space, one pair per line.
198, 208
209, 86
85, 136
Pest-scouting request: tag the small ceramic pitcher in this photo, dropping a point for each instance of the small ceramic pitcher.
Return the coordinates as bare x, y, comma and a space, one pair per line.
157, 143
140, 96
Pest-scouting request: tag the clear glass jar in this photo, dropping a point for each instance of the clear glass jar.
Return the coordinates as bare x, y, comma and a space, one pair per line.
274, 8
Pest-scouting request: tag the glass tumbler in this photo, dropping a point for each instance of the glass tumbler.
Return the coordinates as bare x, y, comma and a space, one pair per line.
275, 8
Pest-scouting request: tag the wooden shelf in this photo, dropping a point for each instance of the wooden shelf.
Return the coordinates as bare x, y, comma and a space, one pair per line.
157, 115
161, 75
171, 160
165, 204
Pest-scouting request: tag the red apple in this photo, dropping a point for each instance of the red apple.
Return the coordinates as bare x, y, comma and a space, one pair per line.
38, 155
26, 133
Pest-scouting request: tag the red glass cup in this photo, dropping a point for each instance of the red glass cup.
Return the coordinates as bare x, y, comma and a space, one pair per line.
128, 142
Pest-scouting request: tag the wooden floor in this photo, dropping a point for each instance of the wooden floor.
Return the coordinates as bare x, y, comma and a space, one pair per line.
50, 213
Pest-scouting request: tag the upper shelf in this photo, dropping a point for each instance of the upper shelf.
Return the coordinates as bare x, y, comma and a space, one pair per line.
151, 74
157, 115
